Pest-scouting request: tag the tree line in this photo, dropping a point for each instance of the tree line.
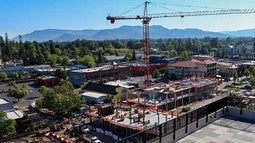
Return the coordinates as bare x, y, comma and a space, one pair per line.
91, 53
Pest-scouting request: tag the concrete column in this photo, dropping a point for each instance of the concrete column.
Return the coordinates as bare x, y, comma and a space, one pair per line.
174, 128
197, 119
160, 133
186, 128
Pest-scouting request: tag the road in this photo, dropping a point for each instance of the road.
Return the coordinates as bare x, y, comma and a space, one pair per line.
24, 103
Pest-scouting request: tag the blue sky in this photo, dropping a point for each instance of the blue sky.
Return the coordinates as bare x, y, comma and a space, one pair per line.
23, 16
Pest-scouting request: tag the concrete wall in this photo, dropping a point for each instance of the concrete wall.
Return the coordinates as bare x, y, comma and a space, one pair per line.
235, 112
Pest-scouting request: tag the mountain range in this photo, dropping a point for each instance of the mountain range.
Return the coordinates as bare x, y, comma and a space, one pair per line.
128, 32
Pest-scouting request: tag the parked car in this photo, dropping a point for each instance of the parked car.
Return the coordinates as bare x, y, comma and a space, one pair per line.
85, 130
95, 140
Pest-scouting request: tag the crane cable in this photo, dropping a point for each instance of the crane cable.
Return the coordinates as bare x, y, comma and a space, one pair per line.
131, 9
164, 7
182, 5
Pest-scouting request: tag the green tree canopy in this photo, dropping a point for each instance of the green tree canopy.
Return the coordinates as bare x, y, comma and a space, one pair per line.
44, 90
18, 93
65, 61
7, 126
61, 99
252, 70
235, 76
62, 74
156, 74
247, 72
15, 75
185, 56
87, 60
3, 76
253, 82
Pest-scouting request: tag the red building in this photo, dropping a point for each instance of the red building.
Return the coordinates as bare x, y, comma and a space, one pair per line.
138, 69
48, 80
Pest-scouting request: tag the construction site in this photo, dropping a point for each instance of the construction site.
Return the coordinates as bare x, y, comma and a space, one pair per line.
155, 105
159, 104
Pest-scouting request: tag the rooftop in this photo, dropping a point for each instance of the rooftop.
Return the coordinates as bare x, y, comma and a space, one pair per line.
124, 84
223, 130
102, 68
100, 87
92, 94
192, 63
3, 101
113, 57
14, 114
45, 77
182, 84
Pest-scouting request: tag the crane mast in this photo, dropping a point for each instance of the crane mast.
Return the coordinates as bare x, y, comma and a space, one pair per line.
146, 18
146, 43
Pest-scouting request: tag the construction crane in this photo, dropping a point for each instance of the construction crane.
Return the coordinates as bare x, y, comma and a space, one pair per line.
146, 18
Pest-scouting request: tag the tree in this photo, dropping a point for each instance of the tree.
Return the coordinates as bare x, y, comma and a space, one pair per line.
253, 82
15, 75
185, 56
88, 60
235, 76
18, 93
7, 126
167, 74
44, 90
65, 62
134, 56
62, 74
247, 72
61, 99
252, 70
3, 75
156, 74
52, 59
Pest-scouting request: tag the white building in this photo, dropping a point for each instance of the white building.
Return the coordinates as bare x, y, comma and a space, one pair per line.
6, 105
93, 97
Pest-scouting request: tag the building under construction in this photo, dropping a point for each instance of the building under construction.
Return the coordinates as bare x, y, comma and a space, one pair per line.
156, 105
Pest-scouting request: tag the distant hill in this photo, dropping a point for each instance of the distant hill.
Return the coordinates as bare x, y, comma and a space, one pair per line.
241, 33
128, 32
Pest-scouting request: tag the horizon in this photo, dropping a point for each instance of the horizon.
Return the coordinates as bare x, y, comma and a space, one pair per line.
26, 16
123, 26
